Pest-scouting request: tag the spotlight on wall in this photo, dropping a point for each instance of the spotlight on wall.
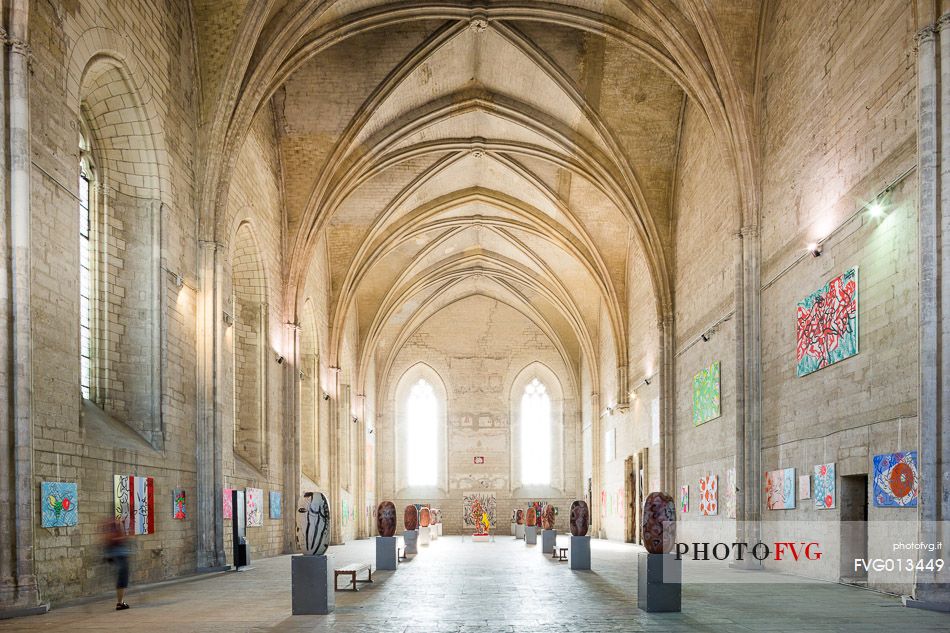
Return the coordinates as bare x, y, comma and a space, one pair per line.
876, 209
371, 431
705, 337
355, 419
815, 249
228, 319
179, 280
646, 381
279, 359
326, 396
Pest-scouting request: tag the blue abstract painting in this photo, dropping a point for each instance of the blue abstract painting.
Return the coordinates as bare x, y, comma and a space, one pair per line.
59, 500
274, 505
896, 482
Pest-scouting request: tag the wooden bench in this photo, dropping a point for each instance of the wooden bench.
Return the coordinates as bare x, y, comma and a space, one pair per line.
401, 553
559, 553
351, 571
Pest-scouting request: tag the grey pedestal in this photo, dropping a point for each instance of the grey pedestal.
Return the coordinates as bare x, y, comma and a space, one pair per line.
411, 537
514, 529
424, 537
531, 535
548, 540
659, 583
311, 579
386, 557
579, 554
519, 531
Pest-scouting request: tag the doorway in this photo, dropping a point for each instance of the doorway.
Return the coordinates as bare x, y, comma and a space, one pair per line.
853, 497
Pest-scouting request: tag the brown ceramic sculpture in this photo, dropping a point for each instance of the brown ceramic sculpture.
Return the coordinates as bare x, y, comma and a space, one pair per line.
424, 517
580, 518
519, 517
532, 519
386, 518
410, 518
658, 529
547, 517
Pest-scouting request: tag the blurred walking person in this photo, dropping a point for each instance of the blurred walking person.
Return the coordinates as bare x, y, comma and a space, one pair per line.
117, 552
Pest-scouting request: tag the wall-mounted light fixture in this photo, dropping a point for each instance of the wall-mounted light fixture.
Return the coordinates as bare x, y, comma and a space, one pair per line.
179, 280
371, 431
326, 396
705, 337
279, 359
228, 319
355, 419
646, 381
815, 249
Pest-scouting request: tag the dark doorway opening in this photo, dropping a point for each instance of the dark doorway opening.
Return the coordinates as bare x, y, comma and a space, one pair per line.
853, 497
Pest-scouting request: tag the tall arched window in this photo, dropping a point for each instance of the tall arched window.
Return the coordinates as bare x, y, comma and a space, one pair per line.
422, 448
86, 178
535, 435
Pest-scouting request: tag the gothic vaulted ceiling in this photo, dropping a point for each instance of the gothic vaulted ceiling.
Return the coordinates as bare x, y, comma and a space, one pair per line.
522, 151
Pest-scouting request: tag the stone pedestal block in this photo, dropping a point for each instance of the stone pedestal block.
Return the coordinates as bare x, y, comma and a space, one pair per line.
514, 529
531, 535
386, 557
659, 583
579, 554
433, 531
311, 580
481, 538
548, 540
519, 531
439, 526
424, 536
411, 538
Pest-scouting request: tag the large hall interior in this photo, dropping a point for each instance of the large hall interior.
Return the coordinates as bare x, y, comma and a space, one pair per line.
538, 298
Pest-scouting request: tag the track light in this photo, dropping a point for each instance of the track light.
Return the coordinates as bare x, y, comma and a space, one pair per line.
815, 249
279, 359
355, 419
326, 396
646, 381
705, 337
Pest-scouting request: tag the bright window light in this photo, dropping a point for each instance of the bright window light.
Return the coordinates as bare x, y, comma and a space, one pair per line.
535, 435
423, 455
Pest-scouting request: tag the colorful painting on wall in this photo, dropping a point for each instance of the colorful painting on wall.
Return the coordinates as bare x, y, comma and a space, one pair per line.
134, 502
730, 493
275, 504
60, 503
896, 482
684, 498
709, 495
476, 503
226, 501
178, 505
804, 486
827, 324
824, 488
780, 489
254, 500
706, 397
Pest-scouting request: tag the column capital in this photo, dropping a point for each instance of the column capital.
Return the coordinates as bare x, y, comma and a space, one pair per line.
942, 22
927, 34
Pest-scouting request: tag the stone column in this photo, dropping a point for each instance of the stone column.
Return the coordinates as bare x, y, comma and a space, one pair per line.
209, 346
597, 476
290, 427
18, 179
7, 497
932, 588
667, 409
335, 487
748, 386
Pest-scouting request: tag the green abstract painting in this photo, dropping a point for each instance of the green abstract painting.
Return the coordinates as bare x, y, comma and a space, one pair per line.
706, 400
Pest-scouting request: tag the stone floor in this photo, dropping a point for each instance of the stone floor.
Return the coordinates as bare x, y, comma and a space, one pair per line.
455, 585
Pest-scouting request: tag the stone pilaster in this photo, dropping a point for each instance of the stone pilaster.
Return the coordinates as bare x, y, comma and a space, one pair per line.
932, 588
210, 330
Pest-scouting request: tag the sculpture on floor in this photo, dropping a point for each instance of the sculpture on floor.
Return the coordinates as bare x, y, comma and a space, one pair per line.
580, 518
485, 523
410, 518
519, 517
313, 523
424, 517
532, 519
658, 529
386, 518
548, 517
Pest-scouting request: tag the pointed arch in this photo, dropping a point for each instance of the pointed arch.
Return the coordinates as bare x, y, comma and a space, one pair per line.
421, 406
